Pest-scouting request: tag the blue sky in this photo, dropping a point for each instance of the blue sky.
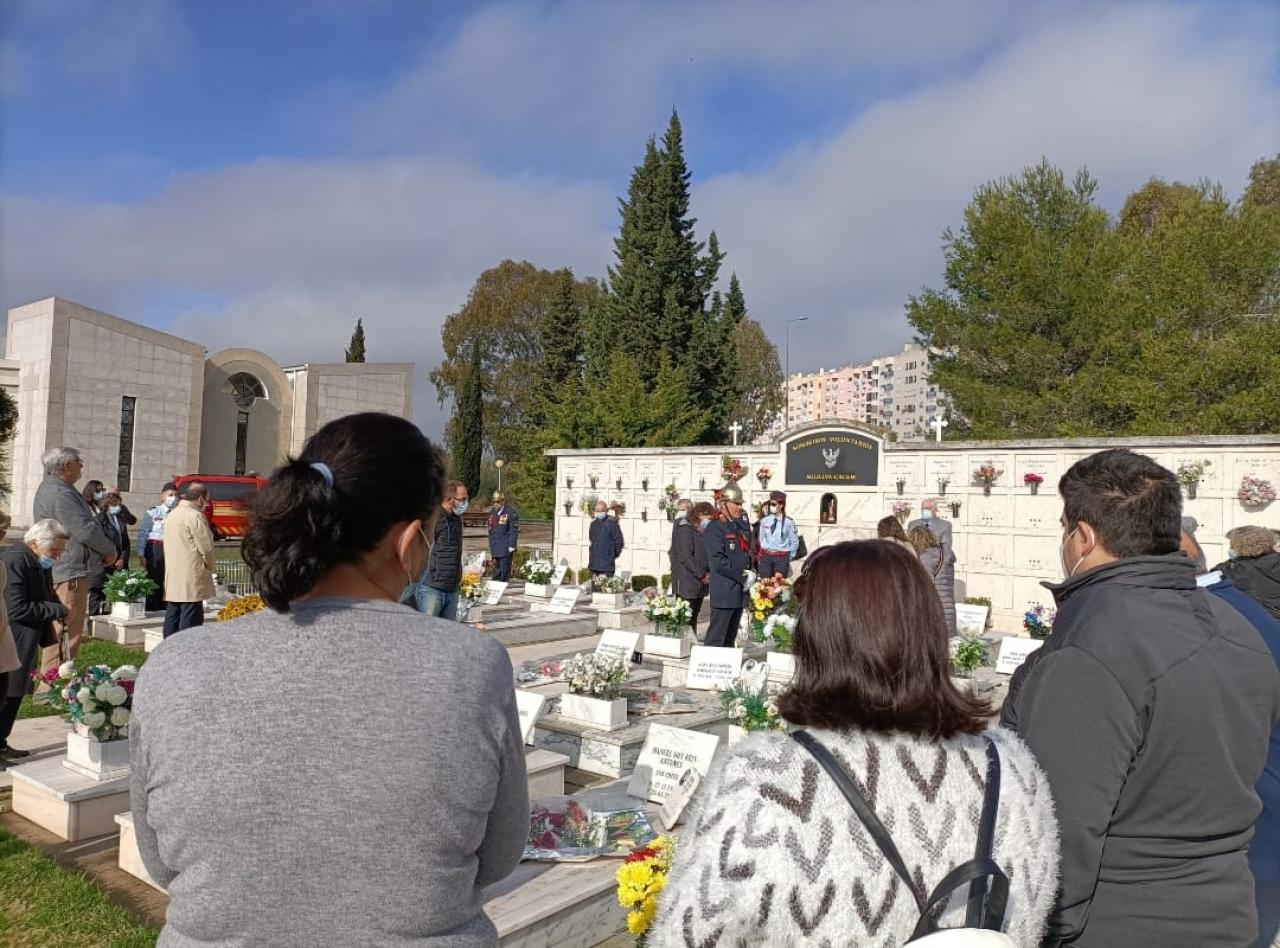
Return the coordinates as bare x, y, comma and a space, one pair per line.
263, 173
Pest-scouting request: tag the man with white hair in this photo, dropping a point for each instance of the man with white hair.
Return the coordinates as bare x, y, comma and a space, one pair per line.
57, 499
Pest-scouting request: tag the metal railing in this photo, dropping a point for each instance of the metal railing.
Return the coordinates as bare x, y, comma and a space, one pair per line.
234, 575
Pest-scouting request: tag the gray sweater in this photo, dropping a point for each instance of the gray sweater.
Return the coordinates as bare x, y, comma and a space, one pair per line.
349, 774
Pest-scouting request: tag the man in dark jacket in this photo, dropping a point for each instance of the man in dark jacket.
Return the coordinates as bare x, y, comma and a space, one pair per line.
504, 536
606, 541
1149, 708
32, 608
729, 555
437, 593
688, 553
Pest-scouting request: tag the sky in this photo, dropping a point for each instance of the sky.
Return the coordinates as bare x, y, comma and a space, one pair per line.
261, 174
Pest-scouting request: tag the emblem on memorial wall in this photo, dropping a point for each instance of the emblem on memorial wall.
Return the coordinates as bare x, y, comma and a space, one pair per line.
834, 457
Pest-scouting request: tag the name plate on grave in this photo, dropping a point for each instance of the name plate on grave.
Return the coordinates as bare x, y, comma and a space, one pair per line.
528, 707
561, 572
711, 667
667, 753
971, 618
563, 600
493, 591
1013, 652
615, 642
833, 457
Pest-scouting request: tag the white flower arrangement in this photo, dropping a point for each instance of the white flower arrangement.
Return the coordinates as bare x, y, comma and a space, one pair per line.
539, 571
610, 585
1255, 492
99, 698
779, 630
670, 615
596, 676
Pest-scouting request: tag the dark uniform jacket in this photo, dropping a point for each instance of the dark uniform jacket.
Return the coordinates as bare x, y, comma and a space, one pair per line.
444, 568
1150, 708
688, 560
606, 544
32, 607
729, 553
504, 531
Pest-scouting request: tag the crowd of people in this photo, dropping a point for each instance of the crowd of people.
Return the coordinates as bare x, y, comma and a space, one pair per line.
1129, 795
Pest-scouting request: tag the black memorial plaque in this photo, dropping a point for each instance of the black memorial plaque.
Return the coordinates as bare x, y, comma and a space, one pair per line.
837, 458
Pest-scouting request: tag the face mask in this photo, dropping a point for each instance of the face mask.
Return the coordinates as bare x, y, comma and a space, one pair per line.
926, 515
682, 515
171, 502
99, 494
113, 510
1062, 556
47, 562
773, 508
600, 514
1231, 554
460, 506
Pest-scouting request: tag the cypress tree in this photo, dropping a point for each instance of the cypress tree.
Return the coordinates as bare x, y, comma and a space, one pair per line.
466, 429
560, 333
355, 350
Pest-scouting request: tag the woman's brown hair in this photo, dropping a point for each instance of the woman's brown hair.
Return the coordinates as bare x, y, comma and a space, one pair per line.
890, 528
872, 651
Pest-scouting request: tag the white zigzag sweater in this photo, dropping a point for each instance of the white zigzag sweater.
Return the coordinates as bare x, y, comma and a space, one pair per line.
774, 855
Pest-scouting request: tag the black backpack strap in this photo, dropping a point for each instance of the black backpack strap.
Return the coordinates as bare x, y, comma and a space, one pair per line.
986, 838
879, 835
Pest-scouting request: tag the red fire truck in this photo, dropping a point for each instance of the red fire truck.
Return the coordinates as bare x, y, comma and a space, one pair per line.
226, 510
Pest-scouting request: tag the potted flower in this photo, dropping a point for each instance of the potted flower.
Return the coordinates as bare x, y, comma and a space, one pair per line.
900, 510
241, 606
537, 574
670, 616
779, 630
97, 703
763, 476
771, 597
568, 506
640, 878
1190, 476
969, 654
588, 504
1255, 493
669, 503
608, 593
732, 468
986, 475
942, 485
1033, 480
1037, 621
595, 689
955, 510
902, 485
471, 593
750, 709
127, 591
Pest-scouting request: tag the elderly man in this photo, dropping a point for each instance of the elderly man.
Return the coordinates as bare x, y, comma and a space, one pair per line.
936, 525
1254, 565
1152, 743
504, 536
730, 553
188, 561
88, 548
605, 537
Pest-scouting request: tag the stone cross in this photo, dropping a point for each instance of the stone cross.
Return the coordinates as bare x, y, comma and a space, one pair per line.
938, 424
736, 427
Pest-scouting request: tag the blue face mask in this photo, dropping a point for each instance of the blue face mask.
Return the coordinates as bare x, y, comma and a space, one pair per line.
460, 506
171, 502
926, 515
99, 494
113, 510
601, 514
47, 562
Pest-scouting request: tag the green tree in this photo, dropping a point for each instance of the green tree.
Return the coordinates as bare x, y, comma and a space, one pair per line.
8, 426
465, 435
761, 395
1264, 185
355, 350
560, 336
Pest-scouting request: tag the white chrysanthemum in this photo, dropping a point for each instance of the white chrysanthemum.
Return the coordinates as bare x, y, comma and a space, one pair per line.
125, 673
66, 669
94, 719
119, 717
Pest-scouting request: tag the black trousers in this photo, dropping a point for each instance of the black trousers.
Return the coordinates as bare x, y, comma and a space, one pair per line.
723, 631
153, 560
502, 569
696, 606
771, 565
8, 708
182, 615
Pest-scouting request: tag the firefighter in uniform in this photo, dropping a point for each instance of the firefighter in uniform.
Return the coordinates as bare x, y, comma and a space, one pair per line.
504, 534
729, 555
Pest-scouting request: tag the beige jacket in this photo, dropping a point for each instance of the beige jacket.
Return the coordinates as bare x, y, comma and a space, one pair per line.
8, 649
188, 555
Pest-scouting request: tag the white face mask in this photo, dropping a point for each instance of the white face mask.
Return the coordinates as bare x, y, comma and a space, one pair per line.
1062, 556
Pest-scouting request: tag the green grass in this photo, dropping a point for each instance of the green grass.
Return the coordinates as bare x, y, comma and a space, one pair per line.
43, 904
92, 652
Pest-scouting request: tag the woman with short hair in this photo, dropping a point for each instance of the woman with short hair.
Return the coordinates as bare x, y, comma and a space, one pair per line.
338, 769
940, 565
774, 854
1254, 565
690, 573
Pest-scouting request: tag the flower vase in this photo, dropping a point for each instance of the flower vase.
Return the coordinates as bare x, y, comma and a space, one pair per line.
606, 715
568, 482
942, 488
99, 760
963, 683
1191, 492
986, 490
644, 516
702, 483
644, 484
470, 611
594, 481
538, 590
955, 511
669, 646
610, 602
618, 483
129, 610
901, 486
764, 483
671, 514
1035, 487
568, 508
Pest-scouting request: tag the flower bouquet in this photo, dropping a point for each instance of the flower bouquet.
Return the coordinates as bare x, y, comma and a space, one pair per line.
763, 475
611, 585
471, 593
595, 689
942, 485
564, 829
640, 878
669, 502
97, 703
750, 708
1255, 493
671, 617
1190, 476
969, 653
986, 475
588, 504
537, 575
1038, 621
127, 591
1033, 480
608, 592
732, 468
900, 510
241, 606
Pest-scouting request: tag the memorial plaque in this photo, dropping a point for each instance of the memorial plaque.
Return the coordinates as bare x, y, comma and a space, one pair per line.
1037, 555
971, 618
1038, 512
1046, 465
563, 600
707, 476
675, 472
676, 802
624, 470
1013, 652
948, 466
836, 458
1263, 466
616, 642
493, 592
1029, 592
905, 469
528, 707
648, 469
599, 469
711, 667
561, 573
667, 753
992, 511
986, 552
572, 469
994, 586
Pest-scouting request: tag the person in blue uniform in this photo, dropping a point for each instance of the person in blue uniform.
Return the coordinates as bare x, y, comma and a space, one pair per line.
778, 538
729, 556
606, 542
504, 534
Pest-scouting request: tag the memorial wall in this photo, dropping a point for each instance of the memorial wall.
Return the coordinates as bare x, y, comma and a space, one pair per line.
841, 479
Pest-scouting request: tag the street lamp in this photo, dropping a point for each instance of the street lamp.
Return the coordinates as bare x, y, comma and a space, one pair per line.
498, 464
787, 380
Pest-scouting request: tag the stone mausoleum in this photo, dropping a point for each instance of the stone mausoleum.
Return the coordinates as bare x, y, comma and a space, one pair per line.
840, 479
143, 405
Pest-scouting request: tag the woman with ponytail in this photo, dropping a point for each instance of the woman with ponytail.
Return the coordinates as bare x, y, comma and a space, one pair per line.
337, 769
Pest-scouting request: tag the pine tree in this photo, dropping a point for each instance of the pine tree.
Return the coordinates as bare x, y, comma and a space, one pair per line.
560, 333
355, 351
735, 304
466, 428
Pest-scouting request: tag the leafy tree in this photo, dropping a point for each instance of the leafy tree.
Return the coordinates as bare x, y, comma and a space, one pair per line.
1264, 185
465, 434
761, 394
8, 426
355, 350
560, 335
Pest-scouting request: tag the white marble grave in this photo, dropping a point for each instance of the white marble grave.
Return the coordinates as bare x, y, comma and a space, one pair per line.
69, 805
129, 859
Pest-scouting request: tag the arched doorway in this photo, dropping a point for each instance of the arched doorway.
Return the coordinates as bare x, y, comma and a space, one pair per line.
829, 509
247, 415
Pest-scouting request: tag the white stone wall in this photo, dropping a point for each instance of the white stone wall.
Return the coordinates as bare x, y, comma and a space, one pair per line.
29, 343
340, 395
1006, 543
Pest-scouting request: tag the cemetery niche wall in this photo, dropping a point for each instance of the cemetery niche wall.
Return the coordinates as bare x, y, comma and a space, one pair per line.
841, 478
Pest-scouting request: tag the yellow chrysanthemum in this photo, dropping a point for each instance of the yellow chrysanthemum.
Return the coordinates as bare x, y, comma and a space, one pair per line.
638, 922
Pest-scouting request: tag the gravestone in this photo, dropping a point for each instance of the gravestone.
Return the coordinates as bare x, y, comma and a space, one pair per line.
711, 667
667, 753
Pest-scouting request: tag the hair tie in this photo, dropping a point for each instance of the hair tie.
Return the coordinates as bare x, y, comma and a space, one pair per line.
324, 471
